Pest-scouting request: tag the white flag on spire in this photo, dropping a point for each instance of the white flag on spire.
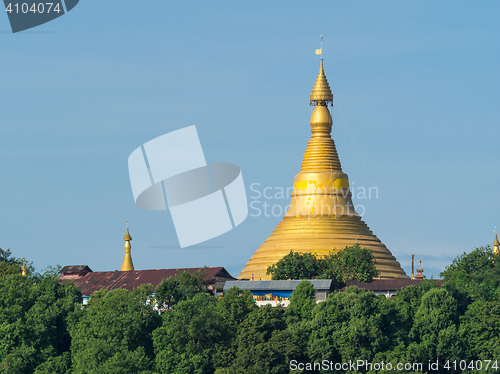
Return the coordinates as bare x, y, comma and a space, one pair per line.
319, 51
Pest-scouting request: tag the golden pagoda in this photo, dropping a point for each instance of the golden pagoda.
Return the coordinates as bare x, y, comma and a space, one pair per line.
127, 264
321, 217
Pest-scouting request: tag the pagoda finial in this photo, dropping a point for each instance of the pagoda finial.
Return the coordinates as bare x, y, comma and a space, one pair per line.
321, 93
127, 235
127, 264
496, 244
23, 269
320, 51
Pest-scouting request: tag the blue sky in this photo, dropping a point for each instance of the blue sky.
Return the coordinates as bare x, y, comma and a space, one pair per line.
416, 87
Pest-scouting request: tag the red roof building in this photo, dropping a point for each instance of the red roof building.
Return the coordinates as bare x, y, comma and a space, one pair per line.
73, 272
88, 281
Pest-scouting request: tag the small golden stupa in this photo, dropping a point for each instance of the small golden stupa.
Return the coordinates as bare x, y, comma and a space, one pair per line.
321, 217
127, 264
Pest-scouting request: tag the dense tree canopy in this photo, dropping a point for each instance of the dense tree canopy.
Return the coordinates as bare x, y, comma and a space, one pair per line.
45, 329
352, 325
474, 276
478, 261
263, 344
189, 337
114, 333
34, 317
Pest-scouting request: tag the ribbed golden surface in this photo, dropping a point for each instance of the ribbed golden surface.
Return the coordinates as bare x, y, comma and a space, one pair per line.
320, 235
321, 153
321, 91
321, 217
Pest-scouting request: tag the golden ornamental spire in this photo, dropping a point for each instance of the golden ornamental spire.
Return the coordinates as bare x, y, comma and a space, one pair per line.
127, 264
23, 269
496, 244
127, 235
321, 153
321, 93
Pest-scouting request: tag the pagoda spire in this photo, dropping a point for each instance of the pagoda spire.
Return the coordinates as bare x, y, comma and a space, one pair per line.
321, 93
127, 264
321, 153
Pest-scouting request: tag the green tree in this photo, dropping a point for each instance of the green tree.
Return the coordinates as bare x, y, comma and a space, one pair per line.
167, 293
235, 305
473, 276
352, 325
263, 345
406, 347
181, 287
434, 332
480, 330
34, 320
113, 334
407, 302
477, 261
302, 301
295, 265
352, 262
189, 336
